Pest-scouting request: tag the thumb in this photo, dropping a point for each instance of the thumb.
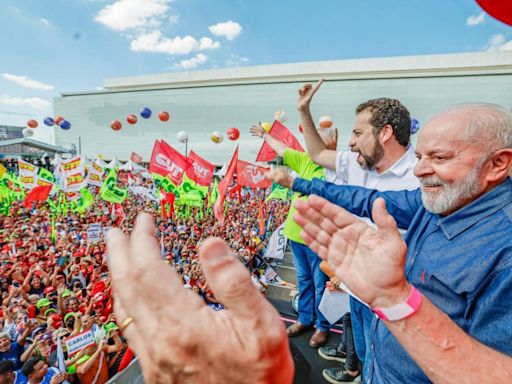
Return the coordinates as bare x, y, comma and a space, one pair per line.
381, 217
230, 280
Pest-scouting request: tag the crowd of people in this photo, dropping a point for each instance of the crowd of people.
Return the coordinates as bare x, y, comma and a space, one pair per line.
55, 283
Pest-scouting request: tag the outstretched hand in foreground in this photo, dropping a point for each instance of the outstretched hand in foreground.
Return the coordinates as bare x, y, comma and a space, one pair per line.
177, 338
368, 261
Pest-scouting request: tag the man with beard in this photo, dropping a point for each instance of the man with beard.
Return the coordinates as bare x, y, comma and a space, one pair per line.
381, 157
459, 249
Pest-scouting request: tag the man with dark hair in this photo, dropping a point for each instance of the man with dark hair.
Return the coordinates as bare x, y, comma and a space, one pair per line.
8, 375
381, 158
37, 372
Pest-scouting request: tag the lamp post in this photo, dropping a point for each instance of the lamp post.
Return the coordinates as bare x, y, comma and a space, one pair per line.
183, 138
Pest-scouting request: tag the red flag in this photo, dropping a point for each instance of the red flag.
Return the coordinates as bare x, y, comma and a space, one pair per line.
218, 208
167, 161
236, 191
201, 170
37, 194
283, 134
136, 158
168, 198
251, 175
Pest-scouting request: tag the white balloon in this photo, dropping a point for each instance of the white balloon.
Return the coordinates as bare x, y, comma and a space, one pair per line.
280, 116
217, 137
27, 132
182, 136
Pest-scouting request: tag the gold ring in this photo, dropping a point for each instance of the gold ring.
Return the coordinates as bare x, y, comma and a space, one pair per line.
126, 323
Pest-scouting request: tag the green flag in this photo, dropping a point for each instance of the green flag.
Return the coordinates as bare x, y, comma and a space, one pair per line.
278, 193
109, 191
85, 201
46, 174
166, 184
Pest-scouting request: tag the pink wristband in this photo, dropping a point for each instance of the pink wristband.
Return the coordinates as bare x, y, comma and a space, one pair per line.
402, 310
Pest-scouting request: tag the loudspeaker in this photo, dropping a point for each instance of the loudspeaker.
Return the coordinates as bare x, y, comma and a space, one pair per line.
302, 367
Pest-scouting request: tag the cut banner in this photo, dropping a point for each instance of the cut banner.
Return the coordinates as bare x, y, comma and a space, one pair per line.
201, 170
251, 175
167, 161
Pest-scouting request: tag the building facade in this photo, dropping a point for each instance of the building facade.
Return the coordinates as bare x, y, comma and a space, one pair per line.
201, 102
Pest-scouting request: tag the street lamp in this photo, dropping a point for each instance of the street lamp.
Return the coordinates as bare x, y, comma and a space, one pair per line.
183, 138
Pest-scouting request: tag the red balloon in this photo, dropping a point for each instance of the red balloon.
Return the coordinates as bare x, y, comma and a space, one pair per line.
163, 116
300, 128
131, 119
58, 120
116, 125
32, 123
499, 9
233, 134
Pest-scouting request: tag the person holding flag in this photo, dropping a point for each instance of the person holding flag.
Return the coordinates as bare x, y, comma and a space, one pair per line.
311, 280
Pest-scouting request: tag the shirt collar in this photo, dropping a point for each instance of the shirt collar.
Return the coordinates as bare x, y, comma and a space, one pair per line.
404, 163
486, 205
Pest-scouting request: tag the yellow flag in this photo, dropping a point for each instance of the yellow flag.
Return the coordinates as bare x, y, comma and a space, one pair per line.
2, 170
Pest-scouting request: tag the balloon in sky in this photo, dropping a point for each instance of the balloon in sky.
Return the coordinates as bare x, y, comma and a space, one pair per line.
131, 119
32, 123
27, 132
266, 126
325, 121
499, 9
280, 116
58, 120
145, 113
65, 125
163, 116
415, 125
217, 137
233, 134
49, 121
182, 136
116, 125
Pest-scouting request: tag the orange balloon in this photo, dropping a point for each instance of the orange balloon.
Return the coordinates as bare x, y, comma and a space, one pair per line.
116, 125
32, 123
163, 116
58, 120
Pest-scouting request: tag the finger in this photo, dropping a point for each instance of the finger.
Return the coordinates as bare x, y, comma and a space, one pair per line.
320, 249
230, 280
381, 217
310, 215
338, 215
317, 85
305, 88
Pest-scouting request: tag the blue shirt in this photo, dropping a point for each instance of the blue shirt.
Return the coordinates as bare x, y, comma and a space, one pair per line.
462, 262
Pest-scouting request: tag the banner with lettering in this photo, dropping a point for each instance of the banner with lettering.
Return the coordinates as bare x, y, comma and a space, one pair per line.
201, 170
167, 161
251, 175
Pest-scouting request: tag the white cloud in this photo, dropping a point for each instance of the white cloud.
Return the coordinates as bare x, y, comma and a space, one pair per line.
128, 14
198, 59
174, 19
230, 29
235, 61
155, 42
498, 42
473, 20
45, 22
207, 43
34, 102
24, 81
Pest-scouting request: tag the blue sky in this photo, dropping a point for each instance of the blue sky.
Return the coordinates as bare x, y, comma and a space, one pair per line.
54, 46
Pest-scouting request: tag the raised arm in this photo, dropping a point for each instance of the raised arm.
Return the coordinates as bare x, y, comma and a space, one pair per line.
314, 144
276, 145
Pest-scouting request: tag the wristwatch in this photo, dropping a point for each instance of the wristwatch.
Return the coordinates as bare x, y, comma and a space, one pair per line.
402, 310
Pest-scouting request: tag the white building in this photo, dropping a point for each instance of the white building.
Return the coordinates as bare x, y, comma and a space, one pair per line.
201, 102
